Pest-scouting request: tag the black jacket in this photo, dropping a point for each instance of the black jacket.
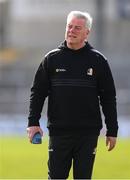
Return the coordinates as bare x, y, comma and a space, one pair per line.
76, 83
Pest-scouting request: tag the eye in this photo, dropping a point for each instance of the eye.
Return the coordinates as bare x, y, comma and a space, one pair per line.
69, 26
78, 28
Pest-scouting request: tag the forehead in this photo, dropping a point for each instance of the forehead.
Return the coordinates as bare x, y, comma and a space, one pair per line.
76, 21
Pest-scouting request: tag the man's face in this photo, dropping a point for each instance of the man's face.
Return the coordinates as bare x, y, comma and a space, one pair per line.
76, 32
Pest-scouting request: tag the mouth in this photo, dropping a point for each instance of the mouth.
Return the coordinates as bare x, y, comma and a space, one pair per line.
72, 36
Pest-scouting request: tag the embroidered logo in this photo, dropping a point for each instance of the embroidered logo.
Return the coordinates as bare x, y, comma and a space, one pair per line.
60, 70
90, 71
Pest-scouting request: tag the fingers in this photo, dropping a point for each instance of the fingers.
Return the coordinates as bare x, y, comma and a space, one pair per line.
41, 132
110, 142
30, 133
32, 130
111, 146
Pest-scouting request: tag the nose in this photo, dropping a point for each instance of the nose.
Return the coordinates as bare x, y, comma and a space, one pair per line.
72, 29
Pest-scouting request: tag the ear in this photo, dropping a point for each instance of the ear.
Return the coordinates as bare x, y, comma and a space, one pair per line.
87, 32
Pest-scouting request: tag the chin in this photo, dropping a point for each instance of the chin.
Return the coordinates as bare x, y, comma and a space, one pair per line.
71, 41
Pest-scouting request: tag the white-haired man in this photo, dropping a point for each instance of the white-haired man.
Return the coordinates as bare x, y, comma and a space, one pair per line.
76, 78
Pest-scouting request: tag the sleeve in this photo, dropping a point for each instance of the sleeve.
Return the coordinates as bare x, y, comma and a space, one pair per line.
107, 96
39, 91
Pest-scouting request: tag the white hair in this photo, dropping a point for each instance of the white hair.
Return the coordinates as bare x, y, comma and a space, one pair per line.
83, 15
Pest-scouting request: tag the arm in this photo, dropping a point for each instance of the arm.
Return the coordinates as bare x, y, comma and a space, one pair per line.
107, 94
39, 92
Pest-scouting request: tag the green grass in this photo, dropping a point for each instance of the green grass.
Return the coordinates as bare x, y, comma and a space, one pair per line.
21, 160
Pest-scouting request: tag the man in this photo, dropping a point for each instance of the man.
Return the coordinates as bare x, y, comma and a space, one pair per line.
76, 78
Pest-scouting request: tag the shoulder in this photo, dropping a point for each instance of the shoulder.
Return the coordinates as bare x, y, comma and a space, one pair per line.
48, 56
52, 52
98, 55
99, 59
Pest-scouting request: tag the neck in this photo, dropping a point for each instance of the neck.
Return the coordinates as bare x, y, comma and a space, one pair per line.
75, 46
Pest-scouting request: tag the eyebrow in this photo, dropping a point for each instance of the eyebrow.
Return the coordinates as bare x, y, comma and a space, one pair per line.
74, 25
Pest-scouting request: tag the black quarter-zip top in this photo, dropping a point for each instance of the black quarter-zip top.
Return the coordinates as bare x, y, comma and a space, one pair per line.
76, 83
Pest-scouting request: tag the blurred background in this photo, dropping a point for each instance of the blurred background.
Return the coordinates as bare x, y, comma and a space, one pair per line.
31, 28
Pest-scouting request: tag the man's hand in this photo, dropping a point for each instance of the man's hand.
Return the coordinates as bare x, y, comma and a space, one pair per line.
32, 130
110, 142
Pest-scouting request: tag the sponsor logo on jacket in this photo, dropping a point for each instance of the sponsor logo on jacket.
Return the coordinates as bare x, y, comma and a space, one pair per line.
60, 70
